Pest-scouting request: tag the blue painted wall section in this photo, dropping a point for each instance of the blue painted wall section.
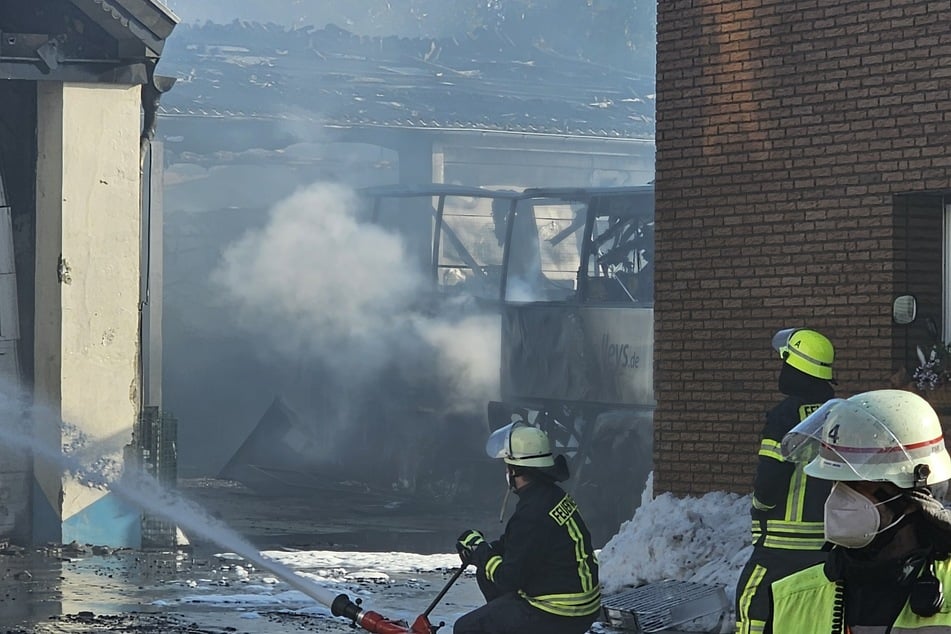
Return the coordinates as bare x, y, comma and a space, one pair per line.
109, 521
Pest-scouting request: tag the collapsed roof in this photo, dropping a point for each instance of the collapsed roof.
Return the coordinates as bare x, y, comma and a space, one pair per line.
246, 71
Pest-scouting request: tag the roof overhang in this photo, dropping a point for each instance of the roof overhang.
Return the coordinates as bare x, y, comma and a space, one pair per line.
135, 23
112, 41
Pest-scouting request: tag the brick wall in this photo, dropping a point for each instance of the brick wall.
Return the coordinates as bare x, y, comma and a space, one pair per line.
787, 133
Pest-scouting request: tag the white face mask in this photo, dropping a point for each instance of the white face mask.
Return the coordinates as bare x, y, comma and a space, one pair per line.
852, 520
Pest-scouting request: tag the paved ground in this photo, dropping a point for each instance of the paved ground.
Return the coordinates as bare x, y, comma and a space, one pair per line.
85, 590
47, 592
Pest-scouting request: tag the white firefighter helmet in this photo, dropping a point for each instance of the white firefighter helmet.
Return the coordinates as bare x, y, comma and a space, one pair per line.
883, 435
521, 445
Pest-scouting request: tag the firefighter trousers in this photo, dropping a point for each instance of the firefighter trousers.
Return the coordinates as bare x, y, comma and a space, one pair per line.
511, 614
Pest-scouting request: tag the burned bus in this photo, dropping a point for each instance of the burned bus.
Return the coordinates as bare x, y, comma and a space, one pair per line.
569, 272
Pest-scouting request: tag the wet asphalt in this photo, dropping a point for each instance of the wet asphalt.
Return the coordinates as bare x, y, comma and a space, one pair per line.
62, 590
85, 588
82, 589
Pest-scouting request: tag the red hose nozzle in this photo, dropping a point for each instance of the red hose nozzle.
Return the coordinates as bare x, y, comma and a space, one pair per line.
376, 623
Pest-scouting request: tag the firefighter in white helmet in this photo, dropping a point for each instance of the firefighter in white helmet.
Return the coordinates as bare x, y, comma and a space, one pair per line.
542, 574
889, 565
786, 511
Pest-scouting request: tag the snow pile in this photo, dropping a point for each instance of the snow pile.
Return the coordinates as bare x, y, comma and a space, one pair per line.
703, 540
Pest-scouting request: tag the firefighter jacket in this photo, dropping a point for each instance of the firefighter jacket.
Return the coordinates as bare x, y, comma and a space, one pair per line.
807, 602
545, 554
787, 506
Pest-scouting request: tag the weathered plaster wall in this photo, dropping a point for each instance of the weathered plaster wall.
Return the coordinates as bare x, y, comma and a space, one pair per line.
87, 292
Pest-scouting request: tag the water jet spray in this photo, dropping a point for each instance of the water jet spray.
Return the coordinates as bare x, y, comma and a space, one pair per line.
142, 490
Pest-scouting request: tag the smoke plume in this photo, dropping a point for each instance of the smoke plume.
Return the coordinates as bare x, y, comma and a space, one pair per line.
377, 355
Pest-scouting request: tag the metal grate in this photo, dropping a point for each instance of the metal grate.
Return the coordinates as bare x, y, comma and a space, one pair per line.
156, 436
659, 606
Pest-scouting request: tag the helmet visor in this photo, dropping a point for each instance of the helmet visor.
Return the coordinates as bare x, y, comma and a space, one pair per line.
499, 444
781, 341
844, 440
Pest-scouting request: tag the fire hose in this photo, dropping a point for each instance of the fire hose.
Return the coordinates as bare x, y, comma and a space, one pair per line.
378, 624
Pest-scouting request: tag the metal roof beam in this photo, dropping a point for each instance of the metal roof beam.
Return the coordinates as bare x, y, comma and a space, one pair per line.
81, 72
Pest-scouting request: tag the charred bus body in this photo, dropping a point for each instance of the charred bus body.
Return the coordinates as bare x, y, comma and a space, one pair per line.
569, 272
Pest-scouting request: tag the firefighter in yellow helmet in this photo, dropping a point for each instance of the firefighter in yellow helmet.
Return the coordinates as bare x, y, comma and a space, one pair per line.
542, 574
889, 565
787, 506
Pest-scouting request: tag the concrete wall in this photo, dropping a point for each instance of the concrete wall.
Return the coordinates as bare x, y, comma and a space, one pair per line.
786, 132
87, 296
17, 164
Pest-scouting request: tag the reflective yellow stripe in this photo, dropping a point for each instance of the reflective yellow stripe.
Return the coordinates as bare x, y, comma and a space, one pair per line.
756, 627
750, 627
789, 543
743, 623
782, 526
796, 499
793, 543
770, 448
568, 604
491, 565
790, 535
584, 571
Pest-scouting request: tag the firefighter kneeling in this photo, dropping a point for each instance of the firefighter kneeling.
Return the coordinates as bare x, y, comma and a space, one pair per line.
885, 452
541, 576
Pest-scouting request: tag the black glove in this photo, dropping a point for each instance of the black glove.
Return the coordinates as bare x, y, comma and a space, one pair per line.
932, 511
467, 544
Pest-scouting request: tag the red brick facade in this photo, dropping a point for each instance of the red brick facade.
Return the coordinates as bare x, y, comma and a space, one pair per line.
803, 156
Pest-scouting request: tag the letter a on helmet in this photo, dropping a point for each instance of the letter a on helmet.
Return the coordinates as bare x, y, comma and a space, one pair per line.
883, 436
806, 350
520, 444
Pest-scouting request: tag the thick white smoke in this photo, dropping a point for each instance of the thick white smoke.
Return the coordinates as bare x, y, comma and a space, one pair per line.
469, 353
376, 356
317, 281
